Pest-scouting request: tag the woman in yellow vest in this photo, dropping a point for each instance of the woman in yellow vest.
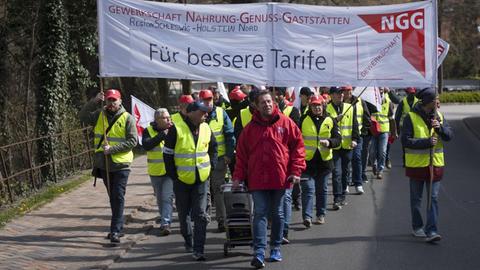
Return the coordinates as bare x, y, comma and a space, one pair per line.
320, 134
190, 153
423, 133
153, 140
117, 147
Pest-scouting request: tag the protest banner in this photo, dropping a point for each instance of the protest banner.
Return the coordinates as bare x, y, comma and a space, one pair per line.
273, 44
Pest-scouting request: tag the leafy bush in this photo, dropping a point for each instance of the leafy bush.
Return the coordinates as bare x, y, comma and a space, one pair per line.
460, 97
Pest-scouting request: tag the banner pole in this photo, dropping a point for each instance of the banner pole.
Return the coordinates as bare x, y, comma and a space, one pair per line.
105, 141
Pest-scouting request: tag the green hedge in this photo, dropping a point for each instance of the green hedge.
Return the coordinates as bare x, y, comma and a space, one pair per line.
460, 97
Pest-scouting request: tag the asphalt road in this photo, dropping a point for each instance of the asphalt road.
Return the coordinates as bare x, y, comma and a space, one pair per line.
372, 232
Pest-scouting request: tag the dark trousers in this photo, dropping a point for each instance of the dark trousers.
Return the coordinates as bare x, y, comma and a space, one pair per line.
191, 201
340, 173
118, 186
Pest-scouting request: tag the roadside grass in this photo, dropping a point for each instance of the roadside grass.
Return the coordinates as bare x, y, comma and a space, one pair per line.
460, 97
42, 197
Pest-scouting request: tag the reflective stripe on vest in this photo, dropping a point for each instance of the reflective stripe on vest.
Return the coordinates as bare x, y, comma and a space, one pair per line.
345, 126
382, 117
420, 158
245, 116
287, 110
115, 136
312, 139
156, 165
189, 156
217, 128
406, 109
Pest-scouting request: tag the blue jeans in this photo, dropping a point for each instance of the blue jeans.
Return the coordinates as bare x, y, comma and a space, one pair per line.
287, 210
357, 163
314, 184
341, 162
416, 192
379, 150
265, 203
191, 201
118, 186
163, 190
365, 152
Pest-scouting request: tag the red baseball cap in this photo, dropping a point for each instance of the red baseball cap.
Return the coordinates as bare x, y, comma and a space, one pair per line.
237, 94
113, 94
317, 100
411, 90
185, 99
205, 94
346, 88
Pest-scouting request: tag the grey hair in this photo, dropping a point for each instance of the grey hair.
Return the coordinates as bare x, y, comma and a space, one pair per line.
159, 112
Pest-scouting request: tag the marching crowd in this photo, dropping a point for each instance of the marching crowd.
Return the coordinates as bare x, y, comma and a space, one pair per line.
283, 154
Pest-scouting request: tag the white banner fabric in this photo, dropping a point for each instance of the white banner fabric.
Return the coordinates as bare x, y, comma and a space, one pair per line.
272, 44
143, 114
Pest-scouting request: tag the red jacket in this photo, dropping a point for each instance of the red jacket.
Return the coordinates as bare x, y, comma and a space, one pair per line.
269, 151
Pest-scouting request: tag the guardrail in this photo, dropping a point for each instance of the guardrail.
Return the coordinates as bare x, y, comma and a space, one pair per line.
23, 170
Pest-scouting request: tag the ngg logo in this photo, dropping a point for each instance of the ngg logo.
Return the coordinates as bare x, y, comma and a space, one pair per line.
403, 21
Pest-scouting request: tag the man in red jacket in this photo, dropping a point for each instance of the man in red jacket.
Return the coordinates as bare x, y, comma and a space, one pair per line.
270, 157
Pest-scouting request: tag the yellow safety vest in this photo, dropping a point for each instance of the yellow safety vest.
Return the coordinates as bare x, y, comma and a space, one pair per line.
359, 107
345, 126
177, 117
156, 165
189, 157
217, 128
312, 139
420, 158
287, 110
406, 108
245, 116
115, 136
382, 117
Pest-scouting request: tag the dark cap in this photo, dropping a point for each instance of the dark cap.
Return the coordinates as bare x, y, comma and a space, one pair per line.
197, 105
427, 95
335, 89
306, 91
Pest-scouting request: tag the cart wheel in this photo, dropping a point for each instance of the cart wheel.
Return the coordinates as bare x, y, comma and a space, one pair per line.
225, 249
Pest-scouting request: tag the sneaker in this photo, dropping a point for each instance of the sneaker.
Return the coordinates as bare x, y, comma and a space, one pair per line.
115, 238
359, 190
434, 237
344, 202
346, 191
374, 170
109, 235
165, 230
275, 255
320, 220
380, 175
285, 241
258, 261
420, 233
388, 164
336, 206
197, 256
307, 222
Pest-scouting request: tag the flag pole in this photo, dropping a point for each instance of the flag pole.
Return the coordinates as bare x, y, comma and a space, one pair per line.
105, 141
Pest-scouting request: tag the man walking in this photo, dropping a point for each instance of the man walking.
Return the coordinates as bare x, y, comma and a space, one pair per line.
113, 153
270, 156
153, 141
190, 153
423, 133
